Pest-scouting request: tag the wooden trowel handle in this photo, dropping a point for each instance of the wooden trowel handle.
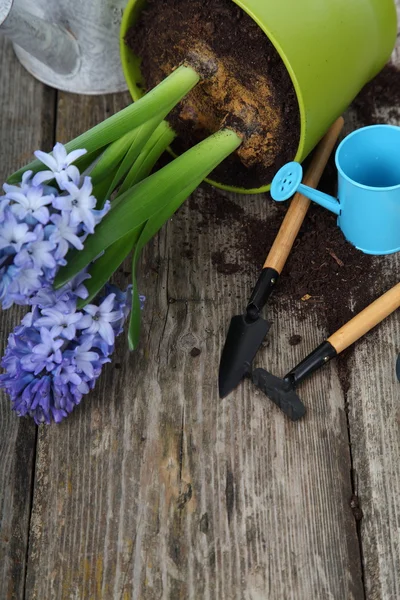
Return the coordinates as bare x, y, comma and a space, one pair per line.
299, 206
366, 320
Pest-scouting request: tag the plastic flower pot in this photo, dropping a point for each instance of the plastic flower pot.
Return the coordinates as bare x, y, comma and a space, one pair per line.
331, 50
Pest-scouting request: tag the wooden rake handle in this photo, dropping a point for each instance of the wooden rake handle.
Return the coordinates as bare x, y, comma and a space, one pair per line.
366, 320
299, 206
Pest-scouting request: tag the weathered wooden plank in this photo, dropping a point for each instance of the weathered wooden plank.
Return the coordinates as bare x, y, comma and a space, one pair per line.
26, 122
155, 488
374, 418
375, 436
276, 495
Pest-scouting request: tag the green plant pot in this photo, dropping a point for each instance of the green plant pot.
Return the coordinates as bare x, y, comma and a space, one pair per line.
331, 49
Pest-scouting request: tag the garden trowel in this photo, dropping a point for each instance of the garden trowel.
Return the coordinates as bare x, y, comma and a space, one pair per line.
283, 391
247, 331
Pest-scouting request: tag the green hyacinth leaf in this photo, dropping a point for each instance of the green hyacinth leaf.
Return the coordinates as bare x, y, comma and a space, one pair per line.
150, 196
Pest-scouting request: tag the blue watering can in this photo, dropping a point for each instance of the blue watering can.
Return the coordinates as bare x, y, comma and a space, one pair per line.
368, 203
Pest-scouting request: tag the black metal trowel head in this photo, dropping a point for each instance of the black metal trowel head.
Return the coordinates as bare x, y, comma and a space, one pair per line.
245, 335
281, 392
244, 338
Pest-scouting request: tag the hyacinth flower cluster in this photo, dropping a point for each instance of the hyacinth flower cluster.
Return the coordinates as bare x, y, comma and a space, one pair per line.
56, 355
39, 223
58, 230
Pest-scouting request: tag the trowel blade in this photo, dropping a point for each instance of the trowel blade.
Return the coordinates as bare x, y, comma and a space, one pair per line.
242, 343
280, 392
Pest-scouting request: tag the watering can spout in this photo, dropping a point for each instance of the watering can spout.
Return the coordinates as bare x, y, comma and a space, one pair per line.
288, 181
320, 198
49, 43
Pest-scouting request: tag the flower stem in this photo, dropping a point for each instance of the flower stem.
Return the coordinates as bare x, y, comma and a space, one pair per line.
112, 156
105, 266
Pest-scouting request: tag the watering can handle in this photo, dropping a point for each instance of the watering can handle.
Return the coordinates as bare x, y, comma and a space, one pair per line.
320, 198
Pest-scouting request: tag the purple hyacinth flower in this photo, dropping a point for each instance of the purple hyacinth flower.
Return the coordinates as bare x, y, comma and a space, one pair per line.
79, 203
99, 214
46, 355
62, 320
34, 353
14, 235
39, 225
37, 254
36, 397
76, 287
84, 358
24, 282
25, 184
64, 234
6, 278
99, 319
4, 203
59, 165
66, 373
31, 204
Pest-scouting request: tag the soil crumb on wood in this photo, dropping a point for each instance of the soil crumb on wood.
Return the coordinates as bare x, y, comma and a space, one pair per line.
220, 261
244, 85
295, 340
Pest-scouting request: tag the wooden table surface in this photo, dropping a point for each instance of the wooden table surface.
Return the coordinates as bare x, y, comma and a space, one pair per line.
154, 488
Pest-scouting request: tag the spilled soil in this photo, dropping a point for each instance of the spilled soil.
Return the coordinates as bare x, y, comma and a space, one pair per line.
324, 273
244, 86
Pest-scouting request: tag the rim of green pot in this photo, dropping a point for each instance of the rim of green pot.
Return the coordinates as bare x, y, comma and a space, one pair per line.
134, 79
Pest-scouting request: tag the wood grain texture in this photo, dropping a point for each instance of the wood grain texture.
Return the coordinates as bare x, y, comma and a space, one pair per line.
26, 123
374, 419
155, 488
375, 435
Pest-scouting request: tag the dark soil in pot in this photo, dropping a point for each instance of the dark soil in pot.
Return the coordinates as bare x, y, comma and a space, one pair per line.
245, 84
